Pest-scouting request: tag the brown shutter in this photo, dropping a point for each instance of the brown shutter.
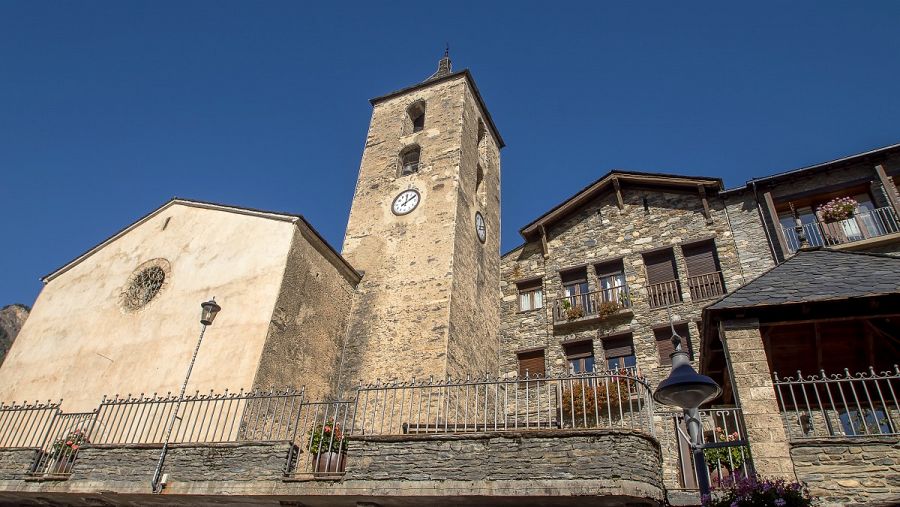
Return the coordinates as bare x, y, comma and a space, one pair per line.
609, 268
532, 363
700, 258
580, 349
574, 275
620, 346
660, 266
664, 342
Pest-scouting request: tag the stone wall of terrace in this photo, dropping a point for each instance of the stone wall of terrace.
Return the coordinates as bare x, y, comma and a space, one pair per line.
845, 471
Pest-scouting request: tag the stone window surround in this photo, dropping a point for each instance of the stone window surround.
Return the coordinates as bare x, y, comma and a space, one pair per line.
414, 111
401, 156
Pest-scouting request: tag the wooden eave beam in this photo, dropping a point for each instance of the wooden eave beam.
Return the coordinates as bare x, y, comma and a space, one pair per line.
773, 215
702, 191
619, 201
889, 188
545, 248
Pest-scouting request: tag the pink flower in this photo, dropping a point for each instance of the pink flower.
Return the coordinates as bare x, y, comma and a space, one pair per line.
74, 447
69, 443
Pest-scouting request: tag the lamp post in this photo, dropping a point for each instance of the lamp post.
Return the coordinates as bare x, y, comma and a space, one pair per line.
207, 316
687, 389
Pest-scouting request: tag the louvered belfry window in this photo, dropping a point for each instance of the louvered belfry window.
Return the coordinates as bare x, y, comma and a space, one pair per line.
532, 363
664, 342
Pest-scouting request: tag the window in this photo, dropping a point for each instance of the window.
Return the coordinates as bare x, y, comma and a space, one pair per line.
663, 336
575, 289
619, 352
531, 295
662, 278
531, 363
479, 177
409, 160
704, 273
416, 114
611, 276
580, 357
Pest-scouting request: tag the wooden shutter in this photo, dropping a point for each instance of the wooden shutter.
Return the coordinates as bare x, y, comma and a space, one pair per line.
531, 362
580, 349
619, 346
664, 342
660, 266
573, 275
700, 258
609, 268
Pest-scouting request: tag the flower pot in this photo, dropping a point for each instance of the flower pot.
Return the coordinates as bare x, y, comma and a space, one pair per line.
328, 463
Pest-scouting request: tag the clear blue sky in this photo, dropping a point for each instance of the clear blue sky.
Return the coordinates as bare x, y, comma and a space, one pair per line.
108, 109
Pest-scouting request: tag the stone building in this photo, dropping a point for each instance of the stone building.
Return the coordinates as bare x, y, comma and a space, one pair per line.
422, 366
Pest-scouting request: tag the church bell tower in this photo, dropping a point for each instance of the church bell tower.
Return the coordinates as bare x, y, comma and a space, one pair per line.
424, 229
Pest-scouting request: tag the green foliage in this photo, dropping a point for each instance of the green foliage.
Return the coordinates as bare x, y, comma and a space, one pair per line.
728, 457
327, 437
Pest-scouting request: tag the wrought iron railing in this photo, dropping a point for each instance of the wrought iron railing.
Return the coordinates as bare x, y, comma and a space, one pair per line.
864, 225
601, 303
706, 286
840, 405
317, 431
725, 447
26, 424
610, 399
664, 294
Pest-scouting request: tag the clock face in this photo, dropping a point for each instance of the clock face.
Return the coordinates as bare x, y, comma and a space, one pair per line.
405, 202
479, 227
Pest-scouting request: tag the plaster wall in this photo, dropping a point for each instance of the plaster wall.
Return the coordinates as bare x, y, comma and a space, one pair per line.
79, 344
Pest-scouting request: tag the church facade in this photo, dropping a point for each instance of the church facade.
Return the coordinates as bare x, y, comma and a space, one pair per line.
421, 365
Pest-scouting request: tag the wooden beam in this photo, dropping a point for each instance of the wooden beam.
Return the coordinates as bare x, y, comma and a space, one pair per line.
833, 319
773, 215
889, 188
619, 200
702, 190
545, 249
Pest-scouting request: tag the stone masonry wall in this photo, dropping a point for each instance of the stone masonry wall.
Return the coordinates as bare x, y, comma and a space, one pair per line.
400, 326
309, 322
850, 471
753, 247
624, 460
16, 462
475, 298
185, 463
601, 232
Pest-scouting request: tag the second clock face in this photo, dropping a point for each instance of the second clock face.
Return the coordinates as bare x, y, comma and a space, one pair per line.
405, 202
480, 228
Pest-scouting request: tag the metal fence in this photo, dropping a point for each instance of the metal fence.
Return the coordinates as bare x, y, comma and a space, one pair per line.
725, 447
261, 416
26, 424
840, 405
613, 399
317, 431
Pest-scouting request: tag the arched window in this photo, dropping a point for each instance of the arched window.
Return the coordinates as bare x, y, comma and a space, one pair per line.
409, 160
416, 113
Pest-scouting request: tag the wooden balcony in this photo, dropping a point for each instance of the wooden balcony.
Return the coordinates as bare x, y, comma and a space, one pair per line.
592, 306
707, 286
660, 295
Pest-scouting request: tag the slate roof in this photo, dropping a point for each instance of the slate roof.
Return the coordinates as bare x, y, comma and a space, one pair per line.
818, 275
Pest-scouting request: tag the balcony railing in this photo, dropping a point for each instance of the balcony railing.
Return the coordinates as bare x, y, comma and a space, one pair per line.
664, 294
707, 286
840, 405
861, 226
725, 447
601, 303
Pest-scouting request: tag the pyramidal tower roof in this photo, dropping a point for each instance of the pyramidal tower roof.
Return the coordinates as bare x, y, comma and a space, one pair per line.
445, 66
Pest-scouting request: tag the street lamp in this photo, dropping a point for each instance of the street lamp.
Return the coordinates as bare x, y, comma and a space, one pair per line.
209, 311
687, 389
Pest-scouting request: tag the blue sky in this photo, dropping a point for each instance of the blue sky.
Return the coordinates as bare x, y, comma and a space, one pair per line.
108, 109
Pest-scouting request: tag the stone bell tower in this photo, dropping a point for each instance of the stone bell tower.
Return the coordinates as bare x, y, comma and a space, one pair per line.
424, 229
